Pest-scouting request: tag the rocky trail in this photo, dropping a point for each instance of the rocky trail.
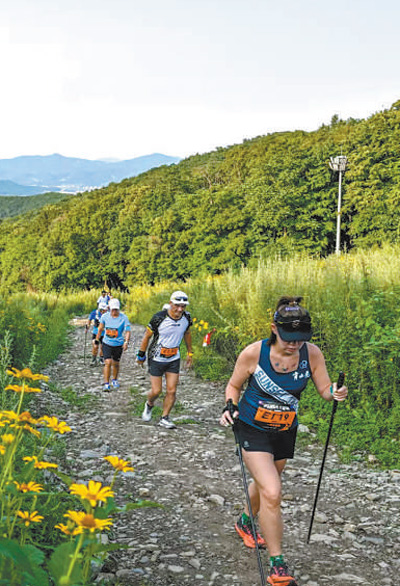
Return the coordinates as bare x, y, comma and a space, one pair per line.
194, 474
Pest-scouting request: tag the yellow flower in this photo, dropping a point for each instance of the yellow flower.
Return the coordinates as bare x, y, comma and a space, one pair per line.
205, 325
55, 425
33, 431
93, 493
201, 322
194, 319
39, 465
29, 518
88, 521
2, 450
8, 438
9, 415
26, 373
22, 388
27, 417
119, 464
28, 486
69, 529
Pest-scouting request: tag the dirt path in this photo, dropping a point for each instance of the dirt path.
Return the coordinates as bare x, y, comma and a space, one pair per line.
194, 473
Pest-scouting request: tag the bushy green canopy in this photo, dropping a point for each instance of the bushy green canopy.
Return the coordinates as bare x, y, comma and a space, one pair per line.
221, 209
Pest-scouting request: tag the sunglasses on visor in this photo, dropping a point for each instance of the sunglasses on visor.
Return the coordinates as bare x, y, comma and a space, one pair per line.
180, 299
294, 326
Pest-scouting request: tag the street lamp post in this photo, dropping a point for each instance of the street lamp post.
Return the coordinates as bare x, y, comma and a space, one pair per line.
338, 164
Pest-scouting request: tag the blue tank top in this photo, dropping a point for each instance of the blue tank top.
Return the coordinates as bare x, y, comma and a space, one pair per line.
274, 390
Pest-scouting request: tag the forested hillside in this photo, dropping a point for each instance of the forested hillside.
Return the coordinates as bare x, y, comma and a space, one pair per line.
15, 205
225, 208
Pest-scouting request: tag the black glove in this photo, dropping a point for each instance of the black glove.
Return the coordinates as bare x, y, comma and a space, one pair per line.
231, 407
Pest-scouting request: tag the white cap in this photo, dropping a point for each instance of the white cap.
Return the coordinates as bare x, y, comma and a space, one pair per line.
113, 304
179, 298
103, 305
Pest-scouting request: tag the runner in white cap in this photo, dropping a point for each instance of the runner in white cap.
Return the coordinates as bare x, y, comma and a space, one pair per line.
116, 338
167, 329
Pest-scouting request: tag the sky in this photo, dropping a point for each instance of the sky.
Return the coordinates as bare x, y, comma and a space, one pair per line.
124, 78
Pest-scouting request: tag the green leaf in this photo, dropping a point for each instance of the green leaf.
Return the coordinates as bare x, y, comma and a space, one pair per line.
26, 560
34, 554
59, 564
64, 477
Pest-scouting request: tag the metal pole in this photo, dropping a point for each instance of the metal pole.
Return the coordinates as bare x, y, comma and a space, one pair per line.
340, 383
339, 214
246, 491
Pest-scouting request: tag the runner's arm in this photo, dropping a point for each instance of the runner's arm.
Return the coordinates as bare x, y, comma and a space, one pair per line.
99, 332
145, 340
244, 368
127, 337
188, 341
320, 376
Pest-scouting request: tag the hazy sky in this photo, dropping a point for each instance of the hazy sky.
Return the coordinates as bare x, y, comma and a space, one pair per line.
124, 78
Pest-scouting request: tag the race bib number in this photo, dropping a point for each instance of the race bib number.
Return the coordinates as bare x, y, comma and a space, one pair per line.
111, 332
275, 417
168, 352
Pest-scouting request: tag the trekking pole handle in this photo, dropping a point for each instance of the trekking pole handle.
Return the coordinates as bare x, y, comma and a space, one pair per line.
340, 382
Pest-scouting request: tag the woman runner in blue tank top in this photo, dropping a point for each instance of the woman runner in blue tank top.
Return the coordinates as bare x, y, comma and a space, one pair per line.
277, 370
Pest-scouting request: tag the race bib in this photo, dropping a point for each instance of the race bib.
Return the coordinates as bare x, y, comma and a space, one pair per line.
168, 352
111, 332
275, 416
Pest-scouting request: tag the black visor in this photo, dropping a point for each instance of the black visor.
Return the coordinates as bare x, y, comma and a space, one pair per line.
294, 328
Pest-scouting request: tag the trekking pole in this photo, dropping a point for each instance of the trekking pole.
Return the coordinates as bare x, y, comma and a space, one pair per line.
335, 404
84, 348
246, 490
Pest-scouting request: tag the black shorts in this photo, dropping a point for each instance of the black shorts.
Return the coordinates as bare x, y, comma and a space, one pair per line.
101, 338
113, 352
279, 443
160, 368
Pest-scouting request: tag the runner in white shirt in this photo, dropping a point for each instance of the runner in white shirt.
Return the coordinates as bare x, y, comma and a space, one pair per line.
166, 329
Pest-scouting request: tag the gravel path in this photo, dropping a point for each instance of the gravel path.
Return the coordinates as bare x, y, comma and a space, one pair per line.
194, 473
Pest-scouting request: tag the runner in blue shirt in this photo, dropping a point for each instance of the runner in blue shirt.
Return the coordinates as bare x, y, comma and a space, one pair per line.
95, 317
117, 332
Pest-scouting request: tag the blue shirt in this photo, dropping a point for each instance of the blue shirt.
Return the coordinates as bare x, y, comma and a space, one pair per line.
95, 318
266, 386
114, 328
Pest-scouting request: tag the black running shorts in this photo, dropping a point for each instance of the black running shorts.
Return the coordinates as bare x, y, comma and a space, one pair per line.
279, 443
112, 352
160, 368
101, 337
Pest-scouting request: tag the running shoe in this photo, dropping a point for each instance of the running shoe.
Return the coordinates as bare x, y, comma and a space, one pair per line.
115, 384
101, 360
106, 387
146, 415
246, 533
93, 361
167, 423
279, 576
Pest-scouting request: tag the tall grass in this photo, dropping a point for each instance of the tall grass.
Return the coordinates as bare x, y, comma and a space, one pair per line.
354, 303
36, 324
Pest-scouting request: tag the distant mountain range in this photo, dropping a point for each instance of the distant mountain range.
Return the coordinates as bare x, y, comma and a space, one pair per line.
31, 175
